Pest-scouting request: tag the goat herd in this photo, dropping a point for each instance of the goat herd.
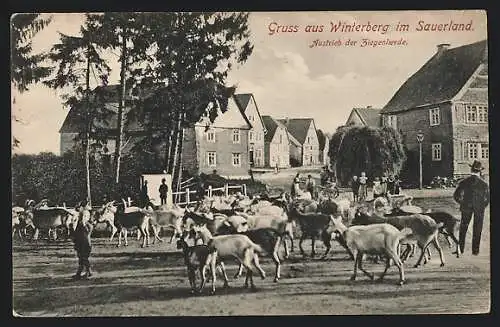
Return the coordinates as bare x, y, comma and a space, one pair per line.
243, 228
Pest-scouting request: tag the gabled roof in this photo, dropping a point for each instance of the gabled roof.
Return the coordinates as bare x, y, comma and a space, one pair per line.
297, 127
440, 78
271, 126
243, 99
369, 116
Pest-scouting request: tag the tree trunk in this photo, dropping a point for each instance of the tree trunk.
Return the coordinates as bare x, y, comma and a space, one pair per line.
88, 122
179, 156
175, 152
121, 105
168, 149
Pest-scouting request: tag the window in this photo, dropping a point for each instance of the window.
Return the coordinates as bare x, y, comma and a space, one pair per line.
211, 159
250, 117
281, 138
436, 151
485, 151
434, 117
237, 159
236, 136
250, 136
392, 121
258, 153
482, 114
211, 136
308, 139
472, 150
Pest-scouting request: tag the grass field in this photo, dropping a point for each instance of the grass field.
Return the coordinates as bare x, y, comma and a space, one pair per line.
131, 281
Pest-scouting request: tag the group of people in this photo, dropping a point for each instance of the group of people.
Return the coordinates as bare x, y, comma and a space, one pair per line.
310, 186
382, 186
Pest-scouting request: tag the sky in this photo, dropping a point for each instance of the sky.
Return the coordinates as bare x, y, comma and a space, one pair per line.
287, 76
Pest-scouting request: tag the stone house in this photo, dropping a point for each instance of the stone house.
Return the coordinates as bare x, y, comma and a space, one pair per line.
447, 100
304, 144
248, 106
277, 144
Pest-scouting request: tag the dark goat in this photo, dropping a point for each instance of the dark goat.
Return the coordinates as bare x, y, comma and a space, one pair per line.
194, 259
314, 225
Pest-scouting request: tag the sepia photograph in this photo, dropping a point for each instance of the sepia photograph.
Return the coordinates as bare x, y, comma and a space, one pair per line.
250, 163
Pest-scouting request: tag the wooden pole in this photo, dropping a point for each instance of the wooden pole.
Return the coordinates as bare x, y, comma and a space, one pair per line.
420, 163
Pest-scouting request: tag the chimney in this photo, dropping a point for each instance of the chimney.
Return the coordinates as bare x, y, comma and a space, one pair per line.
442, 47
369, 107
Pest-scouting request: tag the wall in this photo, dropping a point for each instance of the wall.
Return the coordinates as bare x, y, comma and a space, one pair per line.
409, 123
310, 155
278, 153
224, 147
67, 141
257, 141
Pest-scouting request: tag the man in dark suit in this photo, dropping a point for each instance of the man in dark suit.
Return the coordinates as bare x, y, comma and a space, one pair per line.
473, 195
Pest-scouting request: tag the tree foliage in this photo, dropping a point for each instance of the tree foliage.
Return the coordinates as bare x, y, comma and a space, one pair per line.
25, 66
355, 149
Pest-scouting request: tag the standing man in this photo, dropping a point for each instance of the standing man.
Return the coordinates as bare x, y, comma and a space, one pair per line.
473, 195
295, 185
163, 191
355, 188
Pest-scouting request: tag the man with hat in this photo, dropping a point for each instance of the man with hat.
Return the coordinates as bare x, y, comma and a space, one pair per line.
472, 194
81, 239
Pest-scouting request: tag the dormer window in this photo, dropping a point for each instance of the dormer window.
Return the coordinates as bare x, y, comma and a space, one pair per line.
236, 136
434, 117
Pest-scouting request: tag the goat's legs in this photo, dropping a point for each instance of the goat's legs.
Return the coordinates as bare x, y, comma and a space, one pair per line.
119, 238
355, 271
239, 272
387, 265
360, 266
213, 271
453, 237
256, 263
156, 232
313, 251
276, 259
192, 279
144, 233
435, 242
302, 238
113, 231
35, 236
223, 270
125, 236
422, 255
326, 238
398, 263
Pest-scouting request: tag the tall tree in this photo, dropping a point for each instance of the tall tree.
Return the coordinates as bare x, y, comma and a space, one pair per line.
75, 58
193, 53
375, 151
26, 67
123, 32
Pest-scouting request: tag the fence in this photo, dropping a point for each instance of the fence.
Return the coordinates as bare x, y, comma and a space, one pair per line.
183, 197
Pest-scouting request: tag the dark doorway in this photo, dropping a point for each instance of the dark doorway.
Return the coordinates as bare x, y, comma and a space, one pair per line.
250, 155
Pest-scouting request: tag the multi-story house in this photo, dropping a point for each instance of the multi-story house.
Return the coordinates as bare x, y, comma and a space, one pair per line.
447, 100
364, 117
304, 144
246, 103
324, 146
277, 144
221, 145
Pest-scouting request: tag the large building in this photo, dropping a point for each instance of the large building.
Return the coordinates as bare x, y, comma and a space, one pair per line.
447, 100
304, 144
248, 106
277, 144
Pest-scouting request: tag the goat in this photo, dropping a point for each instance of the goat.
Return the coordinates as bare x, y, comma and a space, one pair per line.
380, 239
195, 258
313, 225
450, 226
236, 246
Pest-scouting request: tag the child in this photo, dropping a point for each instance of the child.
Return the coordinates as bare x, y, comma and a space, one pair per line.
81, 238
362, 186
377, 188
355, 188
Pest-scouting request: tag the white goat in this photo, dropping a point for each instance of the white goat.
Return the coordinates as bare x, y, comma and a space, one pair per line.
372, 239
236, 246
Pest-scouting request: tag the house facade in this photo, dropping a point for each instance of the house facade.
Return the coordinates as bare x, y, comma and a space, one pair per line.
447, 100
248, 106
364, 117
222, 145
304, 144
324, 146
277, 144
